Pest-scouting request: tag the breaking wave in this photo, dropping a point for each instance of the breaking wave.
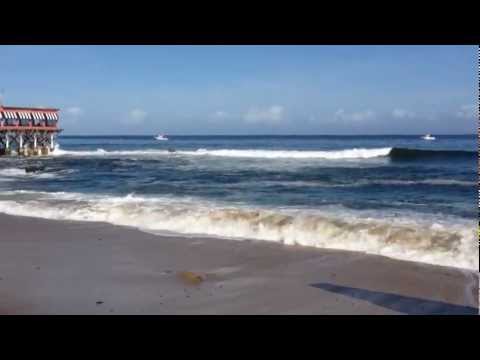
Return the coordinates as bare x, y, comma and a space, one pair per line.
274, 154
434, 242
268, 154
395, 154
360, 183
444, 182
11, 173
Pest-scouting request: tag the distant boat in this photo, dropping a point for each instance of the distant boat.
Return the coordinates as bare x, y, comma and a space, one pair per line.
428, 137
161, 137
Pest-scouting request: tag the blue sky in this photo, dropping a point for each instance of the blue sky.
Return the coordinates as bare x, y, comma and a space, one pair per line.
247, 89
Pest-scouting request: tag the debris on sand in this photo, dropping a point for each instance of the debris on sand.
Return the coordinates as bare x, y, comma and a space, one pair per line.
191, 277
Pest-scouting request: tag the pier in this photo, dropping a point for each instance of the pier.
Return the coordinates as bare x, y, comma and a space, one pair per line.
28, 131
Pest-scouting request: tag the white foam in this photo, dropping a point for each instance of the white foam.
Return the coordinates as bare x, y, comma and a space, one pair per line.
424, 182
19, 173
434, 242
318, 183
267, 154
295, 154
12, 172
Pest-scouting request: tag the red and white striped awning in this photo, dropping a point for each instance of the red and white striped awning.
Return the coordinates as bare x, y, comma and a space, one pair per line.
24, 115
8, 115
51, 116
38, 116
27, 115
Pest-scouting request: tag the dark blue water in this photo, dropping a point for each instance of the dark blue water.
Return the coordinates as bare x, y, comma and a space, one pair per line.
425, 181
380, 176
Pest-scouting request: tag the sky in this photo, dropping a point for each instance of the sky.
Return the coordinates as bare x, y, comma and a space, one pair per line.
190, 90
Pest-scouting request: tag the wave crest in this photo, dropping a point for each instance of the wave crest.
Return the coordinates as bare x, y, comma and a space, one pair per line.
395, 154
295, 154
12, 173
447, 245
235, 153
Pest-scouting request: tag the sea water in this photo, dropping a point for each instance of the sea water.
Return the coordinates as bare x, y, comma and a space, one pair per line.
398, 196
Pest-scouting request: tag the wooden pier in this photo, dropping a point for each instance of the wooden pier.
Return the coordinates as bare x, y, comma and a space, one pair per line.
28, 131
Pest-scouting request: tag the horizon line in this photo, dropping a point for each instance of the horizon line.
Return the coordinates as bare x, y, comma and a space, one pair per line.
415, 134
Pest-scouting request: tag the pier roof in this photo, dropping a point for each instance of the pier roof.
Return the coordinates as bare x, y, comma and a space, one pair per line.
28, 113
23, 108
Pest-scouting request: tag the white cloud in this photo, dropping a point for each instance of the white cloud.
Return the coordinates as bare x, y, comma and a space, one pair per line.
218, 117
402, 114
136, 116
74, 111
273, 114
220, 114
467, 112
72, 114
355, 116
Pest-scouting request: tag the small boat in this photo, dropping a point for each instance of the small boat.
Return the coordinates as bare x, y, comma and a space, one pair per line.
161, 137
428, 137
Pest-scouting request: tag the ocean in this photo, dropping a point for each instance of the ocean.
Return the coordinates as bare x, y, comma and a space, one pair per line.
397, 196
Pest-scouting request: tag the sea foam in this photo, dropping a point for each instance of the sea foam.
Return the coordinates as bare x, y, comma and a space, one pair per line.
449, 244
234, 153
11, 173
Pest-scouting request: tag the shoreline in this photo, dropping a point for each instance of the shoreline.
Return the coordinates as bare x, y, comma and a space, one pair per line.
72, 267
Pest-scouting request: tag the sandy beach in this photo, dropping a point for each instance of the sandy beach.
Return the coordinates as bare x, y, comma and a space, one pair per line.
54, 267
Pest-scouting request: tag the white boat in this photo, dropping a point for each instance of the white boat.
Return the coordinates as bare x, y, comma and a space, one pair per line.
428, 137
161, 137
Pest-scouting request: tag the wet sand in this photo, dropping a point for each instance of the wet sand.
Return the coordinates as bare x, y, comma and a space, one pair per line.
57, 267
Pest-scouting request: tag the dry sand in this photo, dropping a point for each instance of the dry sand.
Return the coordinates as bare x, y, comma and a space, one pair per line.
56, 267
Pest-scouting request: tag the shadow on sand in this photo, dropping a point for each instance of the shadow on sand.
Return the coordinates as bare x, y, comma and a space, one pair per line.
404, 304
